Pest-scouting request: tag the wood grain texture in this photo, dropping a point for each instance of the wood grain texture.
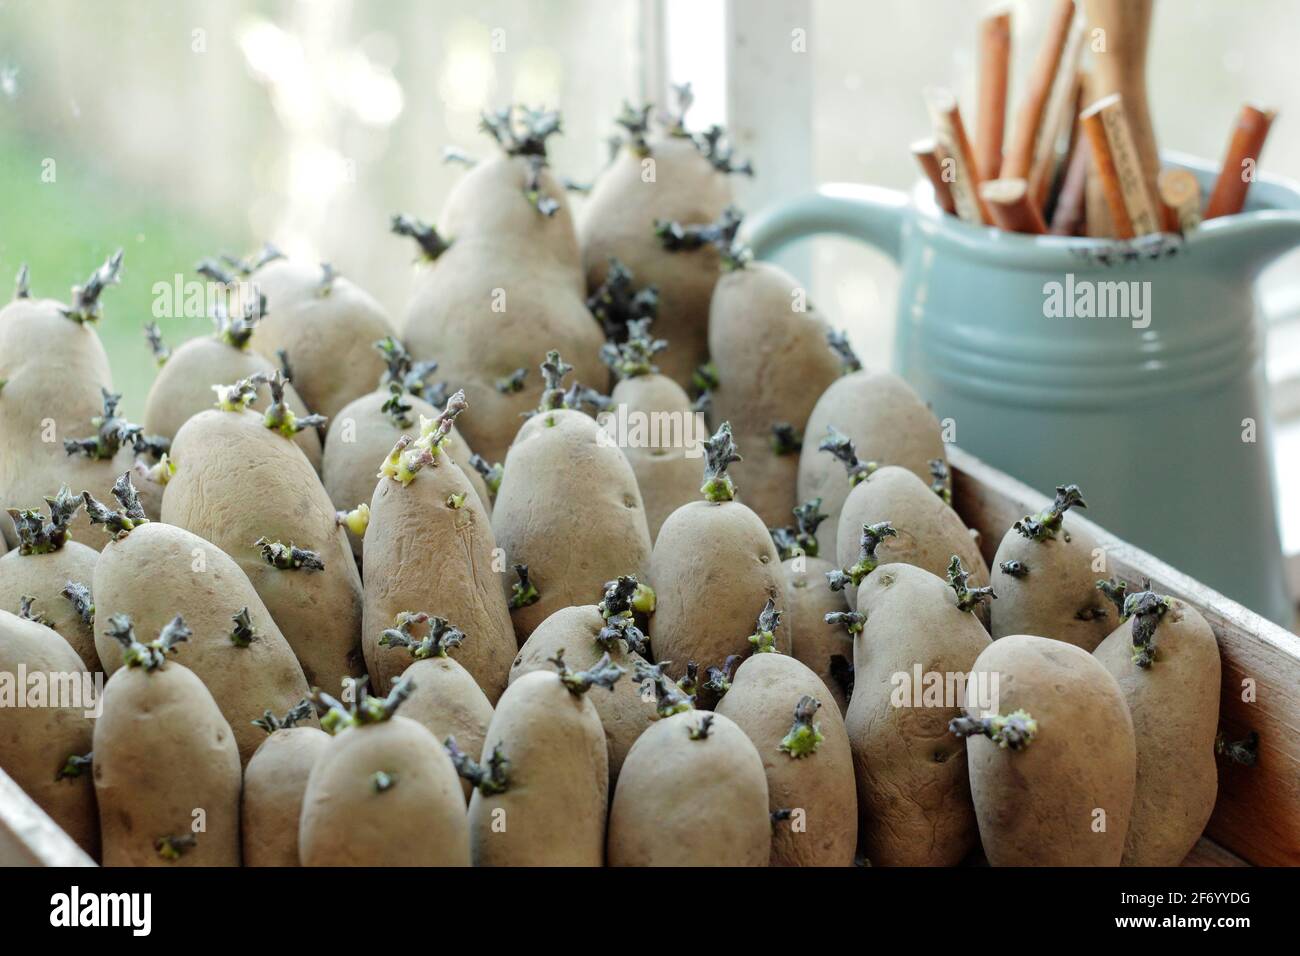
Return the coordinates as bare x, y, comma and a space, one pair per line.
28, 837
1121, 68
1257, 816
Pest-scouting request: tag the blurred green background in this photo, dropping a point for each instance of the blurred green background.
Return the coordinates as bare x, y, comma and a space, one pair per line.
176, 129
182, 128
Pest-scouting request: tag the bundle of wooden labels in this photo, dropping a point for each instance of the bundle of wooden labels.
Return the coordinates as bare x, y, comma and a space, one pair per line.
1081, 156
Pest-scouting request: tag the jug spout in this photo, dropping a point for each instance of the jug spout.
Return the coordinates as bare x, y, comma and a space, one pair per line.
1249, 243
870, 213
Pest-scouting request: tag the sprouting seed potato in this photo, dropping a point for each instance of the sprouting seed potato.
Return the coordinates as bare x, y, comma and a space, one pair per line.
52, 574
714, 568
662, 175
166, 766
918, 637
444, 697
43, 745
825, 647
184, 384
888, 425
928, 531
1045, 575
363, 434
429, 546
715, 812
1166, 660
501, 283
769, 348
56, 376
235, 647
275, 781
1053, 770
383, 792
324, 325
568, 510
542, 784
785, 710
653, 422
585, 635
249, 490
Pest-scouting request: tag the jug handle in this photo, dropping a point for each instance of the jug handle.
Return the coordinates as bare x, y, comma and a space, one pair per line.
870, 213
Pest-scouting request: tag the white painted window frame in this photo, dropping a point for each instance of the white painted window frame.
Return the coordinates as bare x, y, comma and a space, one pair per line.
768, 95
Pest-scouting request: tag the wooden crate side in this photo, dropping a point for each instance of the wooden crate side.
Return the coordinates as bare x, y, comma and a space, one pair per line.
1258, 811
28, 837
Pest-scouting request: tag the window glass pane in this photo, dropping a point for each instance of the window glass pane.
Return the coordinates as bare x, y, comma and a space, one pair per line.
181, 128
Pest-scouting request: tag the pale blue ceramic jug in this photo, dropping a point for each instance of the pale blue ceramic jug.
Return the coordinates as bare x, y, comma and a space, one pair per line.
1158, 412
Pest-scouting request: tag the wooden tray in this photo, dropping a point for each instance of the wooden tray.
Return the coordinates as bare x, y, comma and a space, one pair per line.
1257, 818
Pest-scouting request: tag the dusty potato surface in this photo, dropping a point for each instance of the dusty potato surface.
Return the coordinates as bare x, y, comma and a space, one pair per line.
275, 782
889, 424
818, 787
36, 741
625, 712
1067, 798
383, 794
43, 576
555, 803
714, 567
1175, 708
569, 508
166, 763
914, 798
237, 481
184, 388
724, 820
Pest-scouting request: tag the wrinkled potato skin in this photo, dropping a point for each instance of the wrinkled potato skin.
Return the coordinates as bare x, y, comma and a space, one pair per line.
714, 810
619, 221
889, 425
244, 681
349, 467
929, 532
914, 800
237, 481
714, 567
419, 821
761, 701
569, 508
773, 364
424, 555
329, 338
556, 802
42, 576
1060, 583
1175, 709
666, 472
275, 781
163, 750
54, 369
36, 741
448, 702
624, 712
808, 599
184, 388
1035, 807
